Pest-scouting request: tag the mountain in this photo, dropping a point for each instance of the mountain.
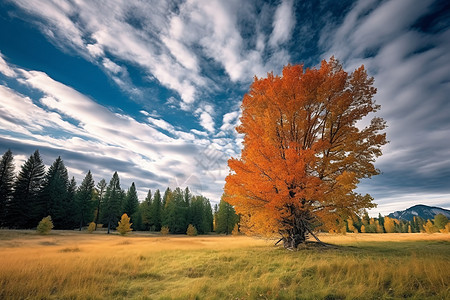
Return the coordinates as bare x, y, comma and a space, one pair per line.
423, 211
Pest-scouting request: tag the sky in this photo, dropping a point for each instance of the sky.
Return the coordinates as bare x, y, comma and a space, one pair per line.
152, 89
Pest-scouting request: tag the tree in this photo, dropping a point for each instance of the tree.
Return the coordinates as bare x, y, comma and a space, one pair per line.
45, 225
111, 207
156, 212
101, 190
24, 209
200, 214
175, 211
70, 220
226, 218
146, 211
440, 221
124, 225
429, 227
53, 196
389, 225
84, 200
303, 152
351, 226
6, 183
191, 230
131, 204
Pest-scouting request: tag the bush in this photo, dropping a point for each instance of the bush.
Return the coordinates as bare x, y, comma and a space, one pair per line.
165, 230
124, 225
45, 225
191, 230
91, 227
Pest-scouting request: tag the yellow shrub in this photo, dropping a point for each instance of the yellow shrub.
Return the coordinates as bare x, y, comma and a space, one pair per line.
91, 227
165, 230
191, 230
124, 225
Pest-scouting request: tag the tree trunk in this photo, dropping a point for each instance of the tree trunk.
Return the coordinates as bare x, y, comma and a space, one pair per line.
298, 228
81, 222
98, 214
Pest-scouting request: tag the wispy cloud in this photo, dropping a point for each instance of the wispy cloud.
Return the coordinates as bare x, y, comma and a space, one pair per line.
87, 134
283, 23
410, 67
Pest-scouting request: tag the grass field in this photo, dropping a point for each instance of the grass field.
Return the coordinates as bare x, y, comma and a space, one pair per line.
73, 265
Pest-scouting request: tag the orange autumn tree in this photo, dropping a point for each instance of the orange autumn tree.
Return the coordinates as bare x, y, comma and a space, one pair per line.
304, 152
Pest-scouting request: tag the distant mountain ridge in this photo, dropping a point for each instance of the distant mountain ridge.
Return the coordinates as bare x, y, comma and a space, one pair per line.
420, 210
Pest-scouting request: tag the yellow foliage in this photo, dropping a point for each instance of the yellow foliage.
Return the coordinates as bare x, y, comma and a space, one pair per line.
389, 225
446, 229
45, 225
235, 230
165, 230
363, 229
91, 227
191, 230
429, 227
124, 225
351, 227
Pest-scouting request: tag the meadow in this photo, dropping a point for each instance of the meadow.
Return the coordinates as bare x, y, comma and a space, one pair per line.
78, 265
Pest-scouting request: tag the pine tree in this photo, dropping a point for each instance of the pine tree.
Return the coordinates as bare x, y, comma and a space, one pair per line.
156, 212
53, 197
175, 212
216, 209
111, 207
101, 190
131, 203
208, 218
24, 210
146, 209
70, 220
6, 183
226, 218
84, 200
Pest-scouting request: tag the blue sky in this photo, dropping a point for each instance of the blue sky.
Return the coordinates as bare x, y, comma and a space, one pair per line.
152, 89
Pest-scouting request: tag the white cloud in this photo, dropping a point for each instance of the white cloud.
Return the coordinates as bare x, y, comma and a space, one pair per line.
410, 68
89, 136
283, 23
229, 120
207, 121
111, 66
5, 69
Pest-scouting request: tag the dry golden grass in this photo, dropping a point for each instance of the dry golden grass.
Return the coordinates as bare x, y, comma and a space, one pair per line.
73, 265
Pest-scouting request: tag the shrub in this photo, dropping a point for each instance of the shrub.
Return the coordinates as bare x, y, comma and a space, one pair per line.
45, 225
91, 227
165, 230
124, 225
191, 230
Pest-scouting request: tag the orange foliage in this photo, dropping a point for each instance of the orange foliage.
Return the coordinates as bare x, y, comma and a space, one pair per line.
303, 153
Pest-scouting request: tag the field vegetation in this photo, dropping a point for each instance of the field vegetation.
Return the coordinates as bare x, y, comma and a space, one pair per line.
78, 265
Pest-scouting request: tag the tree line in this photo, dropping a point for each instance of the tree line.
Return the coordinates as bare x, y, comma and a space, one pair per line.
35, 193
381, 224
